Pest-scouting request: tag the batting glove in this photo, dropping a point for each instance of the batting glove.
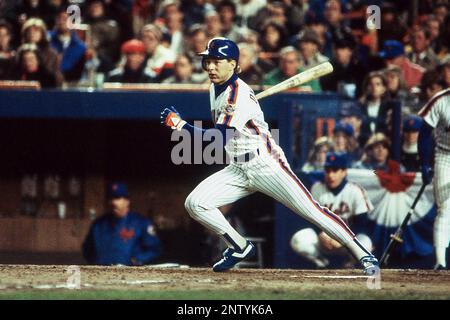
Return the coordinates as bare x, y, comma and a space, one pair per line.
171, 118
427, 174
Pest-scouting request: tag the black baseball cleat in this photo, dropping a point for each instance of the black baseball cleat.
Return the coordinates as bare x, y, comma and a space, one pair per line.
232, 257
370, 265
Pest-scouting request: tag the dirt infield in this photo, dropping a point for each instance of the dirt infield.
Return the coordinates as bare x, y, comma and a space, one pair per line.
51, 282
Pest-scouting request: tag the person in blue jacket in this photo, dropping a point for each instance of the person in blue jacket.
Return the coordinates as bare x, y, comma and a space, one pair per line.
121, 236
69, 46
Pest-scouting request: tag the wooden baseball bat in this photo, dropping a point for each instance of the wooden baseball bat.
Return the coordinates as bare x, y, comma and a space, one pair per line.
300, 78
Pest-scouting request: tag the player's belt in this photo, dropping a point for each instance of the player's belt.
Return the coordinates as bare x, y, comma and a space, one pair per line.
246, 157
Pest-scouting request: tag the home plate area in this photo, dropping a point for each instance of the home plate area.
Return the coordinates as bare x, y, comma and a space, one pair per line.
172, 282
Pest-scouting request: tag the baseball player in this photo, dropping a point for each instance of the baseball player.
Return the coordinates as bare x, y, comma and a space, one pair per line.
436, 115
257, 163
344, 198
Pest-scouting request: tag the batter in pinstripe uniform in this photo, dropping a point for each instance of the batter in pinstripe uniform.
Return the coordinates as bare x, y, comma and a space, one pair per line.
436, 116
258, 164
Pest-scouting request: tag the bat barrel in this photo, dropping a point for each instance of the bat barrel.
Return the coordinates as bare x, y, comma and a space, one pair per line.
299, 79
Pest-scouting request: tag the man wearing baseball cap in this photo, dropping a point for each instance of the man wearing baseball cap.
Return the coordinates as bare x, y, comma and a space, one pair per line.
346, 199
133, 69
351, 113
308, 44
344, 141
393, 53
121, 236
409, 156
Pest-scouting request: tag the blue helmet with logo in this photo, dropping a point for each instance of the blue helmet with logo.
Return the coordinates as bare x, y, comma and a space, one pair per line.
220, 48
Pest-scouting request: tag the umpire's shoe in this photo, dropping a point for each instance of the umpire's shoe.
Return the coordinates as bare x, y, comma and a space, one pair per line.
370, 265
232, 257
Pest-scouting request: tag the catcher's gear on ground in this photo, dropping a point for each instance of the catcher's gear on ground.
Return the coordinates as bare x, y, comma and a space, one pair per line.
171, 118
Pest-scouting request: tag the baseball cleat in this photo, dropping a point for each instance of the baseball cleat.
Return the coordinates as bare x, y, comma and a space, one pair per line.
232, 257
439, 267
370, 265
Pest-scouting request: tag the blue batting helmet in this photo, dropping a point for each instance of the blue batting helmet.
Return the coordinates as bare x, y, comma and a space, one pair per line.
220, 48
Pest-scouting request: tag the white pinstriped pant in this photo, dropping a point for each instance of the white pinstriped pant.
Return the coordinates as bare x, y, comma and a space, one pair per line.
442, 195
271, 176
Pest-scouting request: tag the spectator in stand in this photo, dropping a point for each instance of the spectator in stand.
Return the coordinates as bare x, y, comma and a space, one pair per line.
409, 156
394, 55
230, 29
441, 11
195, 11
28, 9
274, 11
374, 103
213, 24
309, 47
334, 19
8, 14
105, 34
289, 66
444, 55
320, 28
120, 11
433, 25
183, 72
262, 61
431, 84
295, 14
195, 42
34, 31
30, 67
7, 53
132, 69
422, 53
444, 72
69, 47
121, 236
251, 73
317, 155
348, 73
160, 60
53, 7
273, 37
173, 21
142, 12
393, 26
397, 89
376, 153
246, 10
344, 141
350, 112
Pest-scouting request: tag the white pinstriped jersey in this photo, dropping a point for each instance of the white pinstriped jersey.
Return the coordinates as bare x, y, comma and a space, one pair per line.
437, 114
238, 107
350, 201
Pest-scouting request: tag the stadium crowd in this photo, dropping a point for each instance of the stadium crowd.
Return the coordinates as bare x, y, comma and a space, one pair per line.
156, 41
